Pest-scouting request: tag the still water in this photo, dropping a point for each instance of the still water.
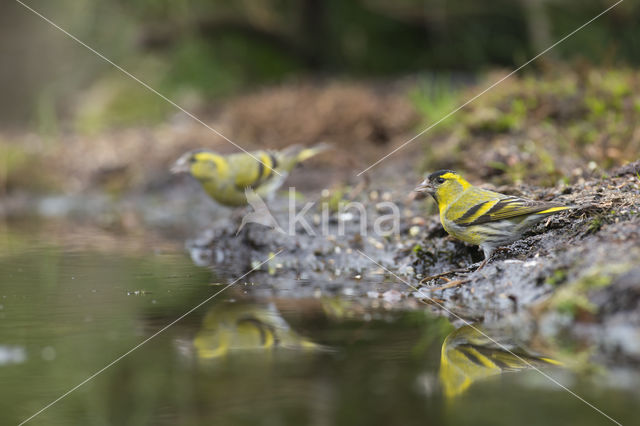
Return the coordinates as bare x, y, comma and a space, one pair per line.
72, 302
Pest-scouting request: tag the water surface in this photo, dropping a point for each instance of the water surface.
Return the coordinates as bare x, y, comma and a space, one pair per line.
73, 301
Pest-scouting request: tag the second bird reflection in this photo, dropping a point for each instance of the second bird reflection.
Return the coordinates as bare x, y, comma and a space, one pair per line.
231, 327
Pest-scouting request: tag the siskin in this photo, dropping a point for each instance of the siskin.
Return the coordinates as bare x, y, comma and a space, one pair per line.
226, 177
482, 217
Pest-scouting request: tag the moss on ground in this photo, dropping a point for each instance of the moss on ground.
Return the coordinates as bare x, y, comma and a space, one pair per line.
543, 128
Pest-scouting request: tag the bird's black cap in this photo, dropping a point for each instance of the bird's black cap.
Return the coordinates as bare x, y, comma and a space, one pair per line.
439, 173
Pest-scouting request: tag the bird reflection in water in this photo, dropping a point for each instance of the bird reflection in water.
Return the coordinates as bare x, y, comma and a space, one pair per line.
468, 355
231, 327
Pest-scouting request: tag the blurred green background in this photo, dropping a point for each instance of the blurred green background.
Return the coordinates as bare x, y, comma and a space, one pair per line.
199, 51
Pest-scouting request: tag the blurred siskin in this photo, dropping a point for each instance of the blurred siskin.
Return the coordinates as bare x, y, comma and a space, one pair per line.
226, 177
482, 217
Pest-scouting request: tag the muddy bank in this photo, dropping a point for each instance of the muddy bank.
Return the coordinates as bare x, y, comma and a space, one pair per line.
573, 275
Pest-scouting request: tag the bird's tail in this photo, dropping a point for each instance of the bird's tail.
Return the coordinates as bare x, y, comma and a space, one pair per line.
302, 153
555, 209
294, 154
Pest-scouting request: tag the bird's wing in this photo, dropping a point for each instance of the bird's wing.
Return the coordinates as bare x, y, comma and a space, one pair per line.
251, 173
488, 206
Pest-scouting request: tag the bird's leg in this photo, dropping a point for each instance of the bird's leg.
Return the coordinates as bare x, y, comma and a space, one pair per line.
238, 213
488, 252
489, 255
483, 264
238, 220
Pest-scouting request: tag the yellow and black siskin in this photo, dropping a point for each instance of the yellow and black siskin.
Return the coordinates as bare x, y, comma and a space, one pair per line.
226, 177
482, 217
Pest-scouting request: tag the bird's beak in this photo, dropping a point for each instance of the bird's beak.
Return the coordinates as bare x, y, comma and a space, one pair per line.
424, 187
181, 165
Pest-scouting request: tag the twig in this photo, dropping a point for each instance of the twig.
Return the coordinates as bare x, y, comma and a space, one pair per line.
444, 274
448, 285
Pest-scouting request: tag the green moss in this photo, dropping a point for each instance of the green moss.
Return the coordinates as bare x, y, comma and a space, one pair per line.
118, 102
12, 160
536, 128
616, 83
595, 224
335, 200
434, 99
573, 305
20, 167
558, 277
573, 298
493, 120
596, 106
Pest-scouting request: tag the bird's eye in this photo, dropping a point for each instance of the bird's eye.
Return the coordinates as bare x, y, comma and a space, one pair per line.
440, 180
192, 159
